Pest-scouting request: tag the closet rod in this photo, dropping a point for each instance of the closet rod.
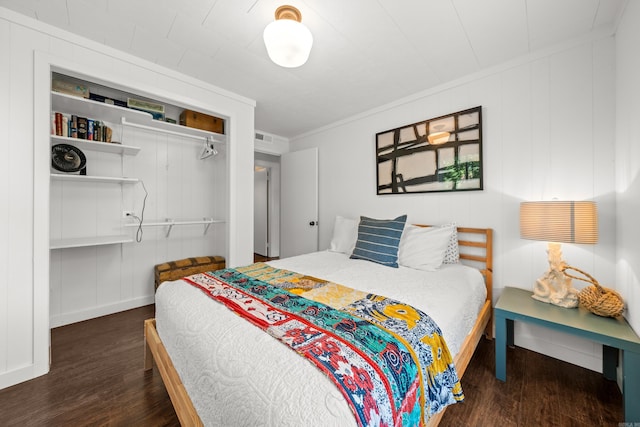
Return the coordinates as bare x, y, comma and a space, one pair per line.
170, 223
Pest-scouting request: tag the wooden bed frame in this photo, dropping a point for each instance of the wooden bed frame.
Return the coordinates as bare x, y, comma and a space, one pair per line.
476, 251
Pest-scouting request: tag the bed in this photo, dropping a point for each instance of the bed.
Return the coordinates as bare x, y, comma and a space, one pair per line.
259, 381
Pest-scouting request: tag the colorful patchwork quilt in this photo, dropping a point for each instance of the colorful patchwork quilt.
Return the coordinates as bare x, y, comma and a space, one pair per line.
388, 359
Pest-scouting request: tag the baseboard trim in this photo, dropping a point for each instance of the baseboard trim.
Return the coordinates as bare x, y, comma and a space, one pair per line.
19, 375
103, 310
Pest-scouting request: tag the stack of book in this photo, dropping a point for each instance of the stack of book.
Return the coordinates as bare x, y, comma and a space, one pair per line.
73, 126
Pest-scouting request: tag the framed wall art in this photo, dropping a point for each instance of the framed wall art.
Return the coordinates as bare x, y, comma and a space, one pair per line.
435, 155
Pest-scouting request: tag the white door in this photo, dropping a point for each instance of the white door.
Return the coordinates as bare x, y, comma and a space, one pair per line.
299, 202
260, 211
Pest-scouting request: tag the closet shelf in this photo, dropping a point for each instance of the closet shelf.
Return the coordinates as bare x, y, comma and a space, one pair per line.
177, 130
104, 147
81, 242
170, 223
89, 178
83, 107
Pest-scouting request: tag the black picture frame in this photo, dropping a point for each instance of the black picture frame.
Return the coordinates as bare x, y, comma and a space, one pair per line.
435, 155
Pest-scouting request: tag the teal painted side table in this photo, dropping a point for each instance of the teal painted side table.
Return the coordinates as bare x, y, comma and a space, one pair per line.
614, 335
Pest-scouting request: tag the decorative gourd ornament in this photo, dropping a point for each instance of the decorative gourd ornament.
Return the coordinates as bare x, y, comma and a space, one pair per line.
597, 299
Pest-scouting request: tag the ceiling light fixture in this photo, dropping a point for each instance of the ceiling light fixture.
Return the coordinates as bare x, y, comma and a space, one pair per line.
288, 41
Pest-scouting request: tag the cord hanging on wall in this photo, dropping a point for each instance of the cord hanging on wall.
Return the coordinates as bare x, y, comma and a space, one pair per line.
140, 218
209, 150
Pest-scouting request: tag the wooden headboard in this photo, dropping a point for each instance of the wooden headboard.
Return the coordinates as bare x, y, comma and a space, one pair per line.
476, 249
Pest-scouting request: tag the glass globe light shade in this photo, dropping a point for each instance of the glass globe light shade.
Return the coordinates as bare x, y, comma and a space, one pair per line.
288, 42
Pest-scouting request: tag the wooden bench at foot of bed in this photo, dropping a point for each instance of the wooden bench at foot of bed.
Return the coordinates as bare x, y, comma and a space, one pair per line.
174, 270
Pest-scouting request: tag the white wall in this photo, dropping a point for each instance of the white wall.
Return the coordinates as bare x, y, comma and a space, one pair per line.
628, 161
548, 132
30, 51
270, 144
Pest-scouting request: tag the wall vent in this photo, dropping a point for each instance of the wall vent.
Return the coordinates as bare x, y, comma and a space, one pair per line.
263, 137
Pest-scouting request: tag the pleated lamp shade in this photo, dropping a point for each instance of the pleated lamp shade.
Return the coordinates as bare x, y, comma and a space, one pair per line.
559, 221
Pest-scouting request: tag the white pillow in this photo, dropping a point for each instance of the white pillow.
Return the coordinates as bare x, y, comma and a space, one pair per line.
452, 256
345, 235
424, 248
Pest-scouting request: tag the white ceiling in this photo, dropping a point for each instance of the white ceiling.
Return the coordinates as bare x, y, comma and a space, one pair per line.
366, 52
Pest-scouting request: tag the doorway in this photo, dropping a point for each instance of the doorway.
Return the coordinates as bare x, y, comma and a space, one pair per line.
299, 201
261, 210
266, 216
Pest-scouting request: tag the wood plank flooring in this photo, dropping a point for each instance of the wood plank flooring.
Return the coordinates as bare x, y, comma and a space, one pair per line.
539, 391
262, 258
97, 379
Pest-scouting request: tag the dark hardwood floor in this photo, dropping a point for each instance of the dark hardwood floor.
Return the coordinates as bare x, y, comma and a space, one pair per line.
262, 258
97, 379
539, 391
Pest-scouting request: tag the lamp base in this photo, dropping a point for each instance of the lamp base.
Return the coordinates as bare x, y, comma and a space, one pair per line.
554, 287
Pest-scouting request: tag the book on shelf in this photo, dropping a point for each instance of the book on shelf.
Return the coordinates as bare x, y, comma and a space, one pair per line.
82, 128
58, 123
90, 129
65, 125
73, 126
97, 131
104, 99
69, 88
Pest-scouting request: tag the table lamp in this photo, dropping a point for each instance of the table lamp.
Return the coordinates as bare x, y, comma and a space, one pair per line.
558, 222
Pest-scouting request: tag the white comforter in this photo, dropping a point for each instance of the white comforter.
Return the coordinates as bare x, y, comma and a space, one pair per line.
237, 375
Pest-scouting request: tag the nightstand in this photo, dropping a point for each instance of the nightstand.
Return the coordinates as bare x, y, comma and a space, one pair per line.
614, 334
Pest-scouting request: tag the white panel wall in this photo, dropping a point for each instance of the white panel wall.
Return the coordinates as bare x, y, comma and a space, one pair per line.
271, 144
548, 123
19, 313
628, 161
30, 51
93, 281
5, 173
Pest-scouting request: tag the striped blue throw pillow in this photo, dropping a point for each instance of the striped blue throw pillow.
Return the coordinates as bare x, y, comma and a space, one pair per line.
378, 240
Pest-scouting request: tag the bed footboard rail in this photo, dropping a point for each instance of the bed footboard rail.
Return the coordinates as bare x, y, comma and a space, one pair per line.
155, 351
